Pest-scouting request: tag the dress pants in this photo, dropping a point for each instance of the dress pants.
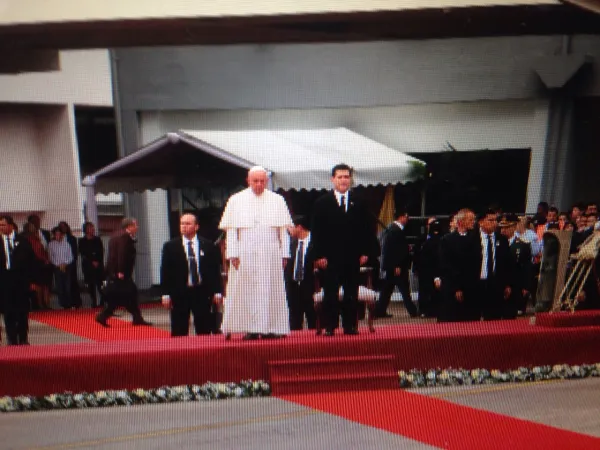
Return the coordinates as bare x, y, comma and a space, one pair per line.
301, 304
387, 290
346, 276
15, 303
121, 293
490, 297
93, 279
196, 301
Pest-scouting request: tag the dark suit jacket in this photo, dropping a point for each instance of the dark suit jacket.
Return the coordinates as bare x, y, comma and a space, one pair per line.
14, 283
395, 252
121, 255
91, 250
340, 237
308, 263
458, 263
522, 267
174, 267
502, 273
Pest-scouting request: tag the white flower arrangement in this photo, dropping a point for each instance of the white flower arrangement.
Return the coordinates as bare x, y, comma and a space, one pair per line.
163, 394
455, 377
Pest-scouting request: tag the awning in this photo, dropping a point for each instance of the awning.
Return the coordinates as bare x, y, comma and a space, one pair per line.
296, 159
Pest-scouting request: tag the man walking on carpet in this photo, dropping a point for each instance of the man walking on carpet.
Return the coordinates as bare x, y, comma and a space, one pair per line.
255, 221
120, 288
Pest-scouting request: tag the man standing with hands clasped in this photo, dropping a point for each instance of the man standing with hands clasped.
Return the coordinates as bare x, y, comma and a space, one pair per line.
340, 238
190, 278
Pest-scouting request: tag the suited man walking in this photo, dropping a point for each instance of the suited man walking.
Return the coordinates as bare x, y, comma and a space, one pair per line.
190, 278
395, 264
17, 263
340, 236
300, 278
493, 286
121, 289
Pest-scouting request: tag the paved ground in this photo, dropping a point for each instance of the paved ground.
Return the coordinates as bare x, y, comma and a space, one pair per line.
270, 423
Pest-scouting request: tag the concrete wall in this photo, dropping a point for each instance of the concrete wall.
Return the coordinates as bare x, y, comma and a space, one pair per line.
84, 79
40, 169
342, 75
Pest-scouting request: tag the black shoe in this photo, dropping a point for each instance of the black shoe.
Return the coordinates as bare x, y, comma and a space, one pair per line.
351, 332
102, 321
250, 337
141, 322
329, 333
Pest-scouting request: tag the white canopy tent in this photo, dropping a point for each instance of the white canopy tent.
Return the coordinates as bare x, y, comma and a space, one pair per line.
295, 159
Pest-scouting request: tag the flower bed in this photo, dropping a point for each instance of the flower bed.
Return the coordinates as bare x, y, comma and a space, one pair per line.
458, 377
165, 394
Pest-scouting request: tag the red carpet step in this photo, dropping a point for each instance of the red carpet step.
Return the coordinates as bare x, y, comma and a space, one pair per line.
332, 374
568, 319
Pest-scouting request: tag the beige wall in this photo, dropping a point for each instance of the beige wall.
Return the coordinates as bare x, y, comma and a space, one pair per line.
30, 11
84, 79
40, 170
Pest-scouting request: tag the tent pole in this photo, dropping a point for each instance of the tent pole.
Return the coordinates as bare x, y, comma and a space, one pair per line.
90, 206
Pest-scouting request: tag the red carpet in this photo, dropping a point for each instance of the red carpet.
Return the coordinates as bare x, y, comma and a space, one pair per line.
442, 424
81, 323
149, 363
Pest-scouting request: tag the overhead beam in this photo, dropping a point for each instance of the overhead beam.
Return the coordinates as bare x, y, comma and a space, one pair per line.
330, 27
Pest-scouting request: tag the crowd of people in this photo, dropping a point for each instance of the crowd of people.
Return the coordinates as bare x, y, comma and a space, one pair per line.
483, 267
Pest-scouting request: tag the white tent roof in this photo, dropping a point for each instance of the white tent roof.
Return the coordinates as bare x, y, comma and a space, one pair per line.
296, 159
302, 159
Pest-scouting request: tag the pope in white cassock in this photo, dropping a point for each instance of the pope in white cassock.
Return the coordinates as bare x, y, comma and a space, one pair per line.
255, 221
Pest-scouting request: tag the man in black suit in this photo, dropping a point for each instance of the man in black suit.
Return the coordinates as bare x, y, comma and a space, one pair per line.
427, 267
340, 236
120, 288
17, 262
458, 268
395, 265
190, 278
300, 278
493, 286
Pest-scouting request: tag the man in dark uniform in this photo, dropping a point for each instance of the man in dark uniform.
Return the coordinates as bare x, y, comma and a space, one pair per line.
395, 265
121, 289
300, 278
459, 272
17, 262
521, 272
340, 235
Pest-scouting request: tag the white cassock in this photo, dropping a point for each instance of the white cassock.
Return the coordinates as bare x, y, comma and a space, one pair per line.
256, 228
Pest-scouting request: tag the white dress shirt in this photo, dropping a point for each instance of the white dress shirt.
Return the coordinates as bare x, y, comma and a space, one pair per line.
197, 254
339, 195
484, 248
60, 252
8, 241
305, 243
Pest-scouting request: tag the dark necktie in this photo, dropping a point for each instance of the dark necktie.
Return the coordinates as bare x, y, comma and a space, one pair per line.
490, 257
343, 203
194, 269
299, 270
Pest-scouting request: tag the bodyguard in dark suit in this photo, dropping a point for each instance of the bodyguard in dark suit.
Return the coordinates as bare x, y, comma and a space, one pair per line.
190, 278
300, 277
340, 236
458, 268
17, 262
427, 267
120, 288
92, 262
493, 286
395, 265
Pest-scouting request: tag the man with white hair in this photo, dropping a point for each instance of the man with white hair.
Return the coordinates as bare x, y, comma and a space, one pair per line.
257, 247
